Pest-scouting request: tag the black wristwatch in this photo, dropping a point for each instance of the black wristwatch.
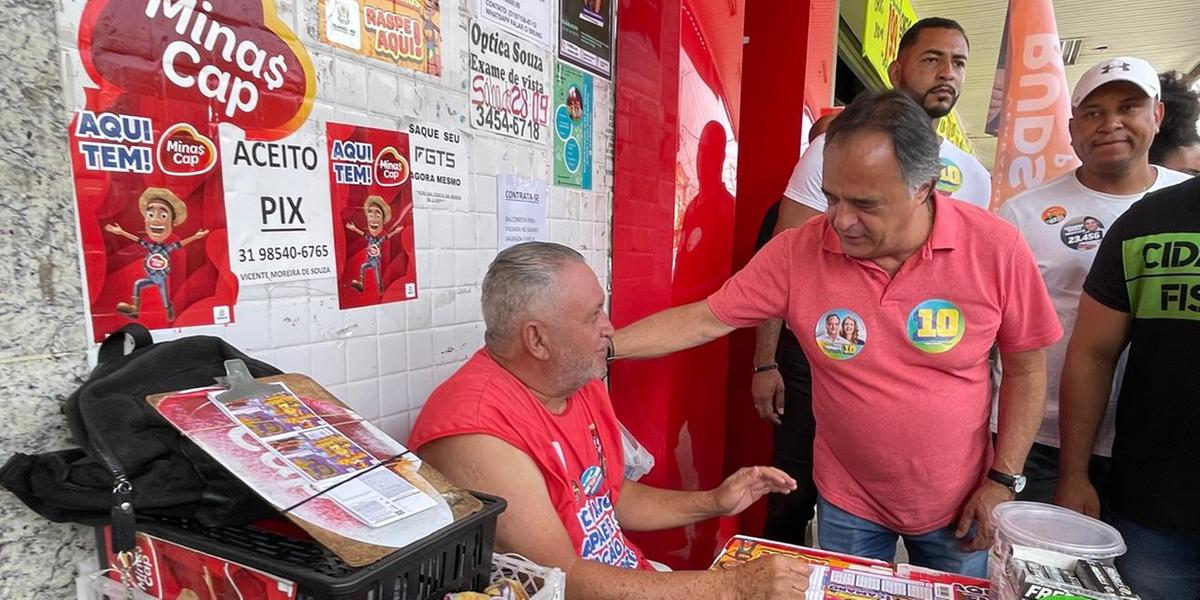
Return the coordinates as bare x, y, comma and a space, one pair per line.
1016, 483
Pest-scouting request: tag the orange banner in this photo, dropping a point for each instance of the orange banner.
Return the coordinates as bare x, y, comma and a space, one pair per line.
1034, 145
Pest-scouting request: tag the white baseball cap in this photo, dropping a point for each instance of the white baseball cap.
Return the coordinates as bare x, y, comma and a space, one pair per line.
1121, 68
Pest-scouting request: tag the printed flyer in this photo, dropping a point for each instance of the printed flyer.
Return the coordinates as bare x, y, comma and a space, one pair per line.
439, 164
572, 127
407, 33
585, 35
149, 181
509, 86
529, 19
277, 207
522, 207
371, 183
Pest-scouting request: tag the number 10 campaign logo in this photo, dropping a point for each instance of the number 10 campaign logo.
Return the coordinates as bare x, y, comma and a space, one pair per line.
935, 326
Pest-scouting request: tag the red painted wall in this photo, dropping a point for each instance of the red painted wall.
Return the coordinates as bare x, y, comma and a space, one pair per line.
779, 103
695, 129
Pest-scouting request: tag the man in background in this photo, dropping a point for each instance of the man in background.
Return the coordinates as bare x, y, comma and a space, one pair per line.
1115, 113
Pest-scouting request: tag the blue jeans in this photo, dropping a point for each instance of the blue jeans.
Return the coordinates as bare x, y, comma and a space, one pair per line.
840, 531
1159, 565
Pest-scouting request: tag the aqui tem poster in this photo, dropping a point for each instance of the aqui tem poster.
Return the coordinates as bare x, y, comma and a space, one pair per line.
277, 204
510, 85
144, 153
407, 33
370, 182
585, 35
572, 127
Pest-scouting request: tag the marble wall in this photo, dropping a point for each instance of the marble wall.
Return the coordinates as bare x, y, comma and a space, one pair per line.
42, 355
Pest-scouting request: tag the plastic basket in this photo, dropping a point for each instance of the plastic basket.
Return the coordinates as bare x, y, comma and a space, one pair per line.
456, 558
541, 583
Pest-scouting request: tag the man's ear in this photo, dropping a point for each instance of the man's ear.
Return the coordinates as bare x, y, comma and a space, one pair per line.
1159, 111
535, 338
893, 72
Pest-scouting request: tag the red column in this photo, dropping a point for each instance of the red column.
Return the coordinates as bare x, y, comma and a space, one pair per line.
683, 112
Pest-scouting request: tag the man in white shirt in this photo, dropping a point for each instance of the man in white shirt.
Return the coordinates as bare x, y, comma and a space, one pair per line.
1116, 111
929, 68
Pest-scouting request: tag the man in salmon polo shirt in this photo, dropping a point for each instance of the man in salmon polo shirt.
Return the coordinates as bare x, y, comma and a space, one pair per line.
529, 419
902, 445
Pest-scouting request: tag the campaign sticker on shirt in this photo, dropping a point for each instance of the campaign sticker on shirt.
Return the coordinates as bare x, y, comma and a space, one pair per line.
841, 334
1053, 215
951, 178
1082, 233
590, 480
935, 326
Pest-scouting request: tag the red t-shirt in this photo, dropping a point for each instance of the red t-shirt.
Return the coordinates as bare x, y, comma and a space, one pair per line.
578, 452
901, 390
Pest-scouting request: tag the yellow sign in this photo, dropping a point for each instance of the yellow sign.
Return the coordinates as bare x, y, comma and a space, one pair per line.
887, 20
407, 33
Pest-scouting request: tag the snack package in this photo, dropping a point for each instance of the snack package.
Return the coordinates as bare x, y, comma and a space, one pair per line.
502, 589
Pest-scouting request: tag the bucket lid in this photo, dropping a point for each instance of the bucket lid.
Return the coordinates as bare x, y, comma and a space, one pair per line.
1055, 528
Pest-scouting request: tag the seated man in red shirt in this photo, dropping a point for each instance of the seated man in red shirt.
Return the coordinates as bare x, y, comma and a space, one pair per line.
528, 419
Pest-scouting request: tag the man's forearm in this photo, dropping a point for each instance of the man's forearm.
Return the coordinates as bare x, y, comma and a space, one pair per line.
646, 508
1022, 405
766, 341
669, 331
1082, 400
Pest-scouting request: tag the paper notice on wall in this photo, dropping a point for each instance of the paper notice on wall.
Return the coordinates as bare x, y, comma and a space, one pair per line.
277, 207
529, 19
585, 34
522, 210
439, 164
572, 127
510, 85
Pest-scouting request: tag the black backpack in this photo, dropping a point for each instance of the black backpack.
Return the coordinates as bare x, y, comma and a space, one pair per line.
130, 458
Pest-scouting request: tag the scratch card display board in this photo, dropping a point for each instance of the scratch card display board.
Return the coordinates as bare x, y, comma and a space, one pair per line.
355, 490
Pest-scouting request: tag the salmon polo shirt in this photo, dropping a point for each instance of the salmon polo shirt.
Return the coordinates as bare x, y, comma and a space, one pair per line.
900, 374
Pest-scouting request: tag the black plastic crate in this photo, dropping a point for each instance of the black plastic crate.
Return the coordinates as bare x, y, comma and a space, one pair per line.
457, 558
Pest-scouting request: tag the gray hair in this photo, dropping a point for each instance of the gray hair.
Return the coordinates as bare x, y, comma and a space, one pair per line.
914, 142
517, 279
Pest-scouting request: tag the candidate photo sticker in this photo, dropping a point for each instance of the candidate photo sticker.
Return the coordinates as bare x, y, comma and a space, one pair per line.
1082, 233
935, 326
841, 334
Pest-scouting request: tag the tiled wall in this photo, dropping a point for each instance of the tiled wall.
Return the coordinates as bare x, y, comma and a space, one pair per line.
383, 361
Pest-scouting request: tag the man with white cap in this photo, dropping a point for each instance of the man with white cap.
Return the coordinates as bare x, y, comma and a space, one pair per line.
1115, 114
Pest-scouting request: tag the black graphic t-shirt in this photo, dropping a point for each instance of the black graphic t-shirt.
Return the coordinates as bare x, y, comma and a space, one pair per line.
1149, 266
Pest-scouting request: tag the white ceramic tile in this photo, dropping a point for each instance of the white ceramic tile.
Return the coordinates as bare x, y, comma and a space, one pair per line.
289, 322
420, 385
393, 394
396, 426
393, 353
420, 349
363, 397
328, 363
443, 307
362, 358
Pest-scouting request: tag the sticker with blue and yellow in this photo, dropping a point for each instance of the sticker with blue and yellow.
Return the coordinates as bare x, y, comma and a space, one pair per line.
935, 326
951, 178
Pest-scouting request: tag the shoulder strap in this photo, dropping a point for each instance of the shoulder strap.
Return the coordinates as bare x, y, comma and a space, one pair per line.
114, 345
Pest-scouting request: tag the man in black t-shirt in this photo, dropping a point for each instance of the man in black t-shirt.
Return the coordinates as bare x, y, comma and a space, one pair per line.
1143, 290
